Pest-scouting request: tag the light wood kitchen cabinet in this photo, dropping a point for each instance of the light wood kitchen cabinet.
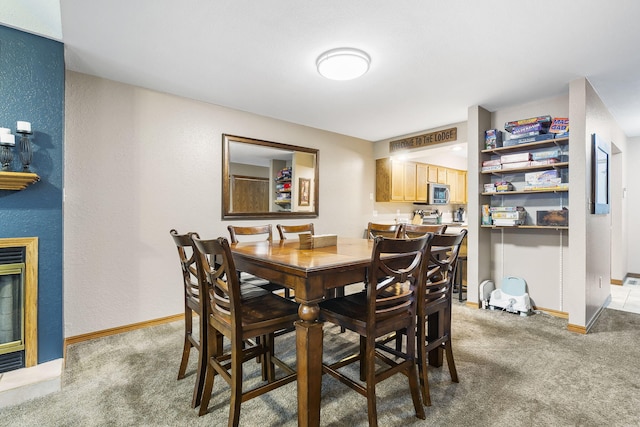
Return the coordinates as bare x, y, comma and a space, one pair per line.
395, 181
422, 178
410, 181
462, 187
437, 174
432, 173
407, 181
457, 181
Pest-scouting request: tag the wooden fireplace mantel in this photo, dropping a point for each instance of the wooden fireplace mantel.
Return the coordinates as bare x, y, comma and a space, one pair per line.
17, 180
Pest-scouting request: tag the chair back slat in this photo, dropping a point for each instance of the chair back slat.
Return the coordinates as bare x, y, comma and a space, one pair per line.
396, 272
453, 241
187, 258
441, 272
283, 230
411, 231
219, 283
264, 231
386, 230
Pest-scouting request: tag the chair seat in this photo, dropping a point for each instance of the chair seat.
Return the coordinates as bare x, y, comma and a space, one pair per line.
263, 314
248, 291
351, 313
249, 279
350, 309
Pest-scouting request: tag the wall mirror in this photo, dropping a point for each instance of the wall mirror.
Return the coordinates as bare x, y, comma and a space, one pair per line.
600, 176
262, 179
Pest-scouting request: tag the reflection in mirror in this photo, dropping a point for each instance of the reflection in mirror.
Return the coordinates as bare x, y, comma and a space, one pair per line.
262, 179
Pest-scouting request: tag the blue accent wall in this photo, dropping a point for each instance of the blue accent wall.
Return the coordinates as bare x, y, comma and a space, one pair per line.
32, 89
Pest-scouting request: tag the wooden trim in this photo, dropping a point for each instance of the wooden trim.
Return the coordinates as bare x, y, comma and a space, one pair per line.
555, 313
17, 180
577, 329
586, 329
250, 178
30, 295
472, 304
634, 275
616, 282
120, 329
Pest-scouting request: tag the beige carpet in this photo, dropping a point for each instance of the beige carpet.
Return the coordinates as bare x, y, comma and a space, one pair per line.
514, 371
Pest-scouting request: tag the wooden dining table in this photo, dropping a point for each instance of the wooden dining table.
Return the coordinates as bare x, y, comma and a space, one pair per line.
312, 274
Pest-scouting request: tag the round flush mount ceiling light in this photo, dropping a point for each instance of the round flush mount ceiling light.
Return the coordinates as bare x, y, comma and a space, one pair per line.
343, 63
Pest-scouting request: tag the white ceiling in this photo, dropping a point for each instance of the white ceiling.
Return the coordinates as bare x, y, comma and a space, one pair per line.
431, 60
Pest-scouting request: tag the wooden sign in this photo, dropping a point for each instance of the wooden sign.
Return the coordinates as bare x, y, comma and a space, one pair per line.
309, 241
419, 141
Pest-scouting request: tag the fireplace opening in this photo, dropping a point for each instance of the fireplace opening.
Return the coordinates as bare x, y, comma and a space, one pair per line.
18, 303
12, 345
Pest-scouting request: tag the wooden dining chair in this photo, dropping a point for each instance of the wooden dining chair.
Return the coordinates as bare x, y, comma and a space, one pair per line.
239, 320
417, 230
264, 232
389, 303
386, 230
192, 304
283, 230
436, 301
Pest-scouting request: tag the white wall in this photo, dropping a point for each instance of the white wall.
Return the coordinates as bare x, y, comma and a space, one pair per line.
138, 163
619, 223
633, 207
599, 230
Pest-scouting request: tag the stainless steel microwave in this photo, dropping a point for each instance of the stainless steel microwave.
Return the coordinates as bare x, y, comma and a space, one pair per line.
438, 194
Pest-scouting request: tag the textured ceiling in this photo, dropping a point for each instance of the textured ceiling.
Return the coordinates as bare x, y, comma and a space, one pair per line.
431, 60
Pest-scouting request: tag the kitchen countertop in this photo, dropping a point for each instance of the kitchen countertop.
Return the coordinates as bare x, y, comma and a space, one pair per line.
449, 223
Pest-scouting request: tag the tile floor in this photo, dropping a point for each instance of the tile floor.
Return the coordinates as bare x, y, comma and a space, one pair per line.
626, 297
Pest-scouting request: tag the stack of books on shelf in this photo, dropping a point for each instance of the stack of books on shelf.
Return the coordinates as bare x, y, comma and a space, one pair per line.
284, 174
489, 188
523, 131
502, 186
492, 139
491, 165
515, 161
560, 127
534, 129
544, 180
528, 130
547, 157
508, 215
283, 187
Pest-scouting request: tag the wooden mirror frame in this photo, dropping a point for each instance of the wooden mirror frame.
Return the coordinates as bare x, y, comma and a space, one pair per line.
309, 211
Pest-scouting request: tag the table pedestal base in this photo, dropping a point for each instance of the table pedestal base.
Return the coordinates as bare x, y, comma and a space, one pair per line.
309, 362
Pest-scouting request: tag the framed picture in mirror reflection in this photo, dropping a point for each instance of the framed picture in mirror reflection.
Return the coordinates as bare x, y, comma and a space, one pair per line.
305, 188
